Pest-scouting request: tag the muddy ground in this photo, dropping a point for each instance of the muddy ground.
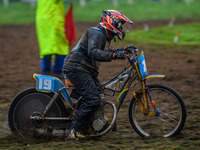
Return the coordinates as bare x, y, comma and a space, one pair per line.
19, 60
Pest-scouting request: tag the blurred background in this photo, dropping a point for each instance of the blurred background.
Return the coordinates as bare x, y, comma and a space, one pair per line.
168, 31
145, 14
23, 11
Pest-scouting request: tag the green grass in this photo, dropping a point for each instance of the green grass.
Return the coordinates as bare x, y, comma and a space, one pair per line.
140, 10
189, 35
20, 13
17, 13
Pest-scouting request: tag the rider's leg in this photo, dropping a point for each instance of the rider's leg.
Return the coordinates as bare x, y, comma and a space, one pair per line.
91, 100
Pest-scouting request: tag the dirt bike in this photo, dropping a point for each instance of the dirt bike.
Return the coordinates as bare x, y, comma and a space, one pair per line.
49, 108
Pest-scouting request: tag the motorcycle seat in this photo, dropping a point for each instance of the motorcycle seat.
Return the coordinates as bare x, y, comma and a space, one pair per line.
68, 82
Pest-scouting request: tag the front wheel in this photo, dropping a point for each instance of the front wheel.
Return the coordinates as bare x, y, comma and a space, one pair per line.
171, 117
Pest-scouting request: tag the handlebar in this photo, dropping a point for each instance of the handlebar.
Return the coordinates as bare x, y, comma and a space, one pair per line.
132, 51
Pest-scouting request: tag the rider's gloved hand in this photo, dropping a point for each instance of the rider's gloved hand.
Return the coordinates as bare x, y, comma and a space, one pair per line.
119, 55
129, 48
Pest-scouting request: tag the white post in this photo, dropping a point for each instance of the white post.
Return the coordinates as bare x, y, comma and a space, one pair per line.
33, 3
130, 1
6, 3
163, 1
188, 1
146, 26
82, 2
115, 3
171, 22
177, 36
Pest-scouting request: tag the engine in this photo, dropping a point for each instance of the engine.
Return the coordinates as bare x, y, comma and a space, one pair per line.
100, 123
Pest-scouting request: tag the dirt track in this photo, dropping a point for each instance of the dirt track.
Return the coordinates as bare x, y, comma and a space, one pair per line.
19, 59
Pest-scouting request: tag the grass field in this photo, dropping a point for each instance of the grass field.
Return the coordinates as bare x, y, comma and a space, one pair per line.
189, 35
19, 13
140, 10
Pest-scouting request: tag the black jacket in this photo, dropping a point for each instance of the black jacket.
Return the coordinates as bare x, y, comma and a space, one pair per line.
89, 52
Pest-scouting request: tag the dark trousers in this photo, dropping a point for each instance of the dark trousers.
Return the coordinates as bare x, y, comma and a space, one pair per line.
86, 86
46, 64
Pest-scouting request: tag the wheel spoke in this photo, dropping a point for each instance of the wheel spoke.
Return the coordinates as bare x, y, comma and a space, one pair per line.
170, 117
166, 121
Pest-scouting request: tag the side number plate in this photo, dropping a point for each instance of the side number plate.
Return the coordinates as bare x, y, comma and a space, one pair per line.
45, 84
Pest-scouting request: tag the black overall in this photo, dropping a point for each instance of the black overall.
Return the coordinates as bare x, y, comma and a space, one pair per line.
81, 67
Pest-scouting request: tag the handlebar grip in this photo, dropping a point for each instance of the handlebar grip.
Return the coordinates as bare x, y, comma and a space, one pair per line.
132, 51
130, 48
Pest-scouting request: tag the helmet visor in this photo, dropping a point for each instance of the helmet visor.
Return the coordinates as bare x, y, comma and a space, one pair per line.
120, 28
119, 25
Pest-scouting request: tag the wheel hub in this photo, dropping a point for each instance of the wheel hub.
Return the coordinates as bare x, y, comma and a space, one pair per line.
35, 116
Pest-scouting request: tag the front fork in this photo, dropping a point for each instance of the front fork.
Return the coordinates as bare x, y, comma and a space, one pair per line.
153, 103
144, 106
144, 94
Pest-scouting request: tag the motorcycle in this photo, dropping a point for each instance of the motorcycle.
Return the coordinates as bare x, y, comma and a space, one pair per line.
49, 108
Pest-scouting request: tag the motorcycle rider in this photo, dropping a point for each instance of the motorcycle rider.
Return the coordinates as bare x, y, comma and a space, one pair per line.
82, 63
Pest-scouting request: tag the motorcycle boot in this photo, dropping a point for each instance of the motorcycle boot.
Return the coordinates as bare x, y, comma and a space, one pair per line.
75, 135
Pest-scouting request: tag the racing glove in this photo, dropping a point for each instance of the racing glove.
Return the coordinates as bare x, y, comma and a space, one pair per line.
119, 55
129, 47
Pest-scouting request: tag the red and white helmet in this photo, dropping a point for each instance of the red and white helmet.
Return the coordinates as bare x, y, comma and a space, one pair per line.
113, 21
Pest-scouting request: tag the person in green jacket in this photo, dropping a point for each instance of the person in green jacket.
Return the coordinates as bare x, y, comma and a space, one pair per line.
51, 36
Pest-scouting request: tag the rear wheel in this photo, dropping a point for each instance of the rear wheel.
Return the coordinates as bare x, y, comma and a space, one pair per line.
29, 103
169, 121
